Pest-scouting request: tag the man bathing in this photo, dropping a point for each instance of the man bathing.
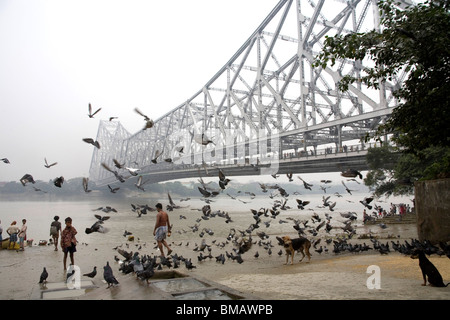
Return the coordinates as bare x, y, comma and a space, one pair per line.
162, 229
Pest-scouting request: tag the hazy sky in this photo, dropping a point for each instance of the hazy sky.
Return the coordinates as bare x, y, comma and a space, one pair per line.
58, 55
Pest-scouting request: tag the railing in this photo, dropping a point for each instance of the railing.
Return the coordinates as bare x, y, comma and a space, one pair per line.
328, 151
345, 151
248, 164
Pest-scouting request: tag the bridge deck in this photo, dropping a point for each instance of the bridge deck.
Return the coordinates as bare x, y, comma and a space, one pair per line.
334, 162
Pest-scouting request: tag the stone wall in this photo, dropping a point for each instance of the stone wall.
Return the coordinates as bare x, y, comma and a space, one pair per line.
432, 205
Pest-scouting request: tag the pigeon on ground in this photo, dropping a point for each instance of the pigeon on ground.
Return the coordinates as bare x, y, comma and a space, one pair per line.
146, 274
70, 274
91, 274
108, 275
44, 276
189, 265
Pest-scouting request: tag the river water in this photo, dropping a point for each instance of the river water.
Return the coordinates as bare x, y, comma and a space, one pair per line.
39, 215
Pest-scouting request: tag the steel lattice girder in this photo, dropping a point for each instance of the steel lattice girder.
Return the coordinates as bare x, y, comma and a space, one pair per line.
269, 85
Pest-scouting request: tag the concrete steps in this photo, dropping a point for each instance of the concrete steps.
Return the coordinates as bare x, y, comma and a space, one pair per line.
397, 219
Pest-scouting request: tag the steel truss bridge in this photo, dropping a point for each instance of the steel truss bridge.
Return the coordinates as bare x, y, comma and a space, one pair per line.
267, 110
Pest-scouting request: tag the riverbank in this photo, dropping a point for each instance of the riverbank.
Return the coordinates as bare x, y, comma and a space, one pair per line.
327, 276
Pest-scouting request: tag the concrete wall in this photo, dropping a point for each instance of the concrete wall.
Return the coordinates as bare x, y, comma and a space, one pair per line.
432, 205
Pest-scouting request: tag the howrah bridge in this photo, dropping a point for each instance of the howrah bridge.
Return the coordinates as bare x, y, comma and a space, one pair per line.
268, 110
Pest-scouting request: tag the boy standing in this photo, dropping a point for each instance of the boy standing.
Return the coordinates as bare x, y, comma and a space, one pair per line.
68, 241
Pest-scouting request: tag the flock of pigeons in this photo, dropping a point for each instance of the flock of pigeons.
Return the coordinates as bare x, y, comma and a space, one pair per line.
107, 275
58, 181
143, 266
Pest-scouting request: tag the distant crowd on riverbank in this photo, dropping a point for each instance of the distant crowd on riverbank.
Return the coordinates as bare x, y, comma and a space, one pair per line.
400, 209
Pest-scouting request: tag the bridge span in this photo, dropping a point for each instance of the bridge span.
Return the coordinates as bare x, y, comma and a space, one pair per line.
296, 163
267, 102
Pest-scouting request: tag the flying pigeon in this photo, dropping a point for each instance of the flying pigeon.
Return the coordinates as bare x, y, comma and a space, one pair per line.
58, 181
92, 141
91, 115
49, 165
113, 190
148, 122
116, 174
27, 178
85, 185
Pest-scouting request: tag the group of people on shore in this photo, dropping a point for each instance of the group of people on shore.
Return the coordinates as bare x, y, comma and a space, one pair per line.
68, 240
16, 234
381, 213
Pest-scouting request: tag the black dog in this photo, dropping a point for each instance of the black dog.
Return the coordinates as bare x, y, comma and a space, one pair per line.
428, 270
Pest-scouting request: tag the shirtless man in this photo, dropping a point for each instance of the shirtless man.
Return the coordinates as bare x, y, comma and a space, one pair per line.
162, 228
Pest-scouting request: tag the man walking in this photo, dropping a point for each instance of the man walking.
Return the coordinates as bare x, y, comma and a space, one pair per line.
162, 229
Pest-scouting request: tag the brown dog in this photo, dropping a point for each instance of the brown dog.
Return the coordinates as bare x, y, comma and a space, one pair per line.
297, 244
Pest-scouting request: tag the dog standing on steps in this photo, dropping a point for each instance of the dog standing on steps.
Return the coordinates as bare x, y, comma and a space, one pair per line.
428, 270
292, 245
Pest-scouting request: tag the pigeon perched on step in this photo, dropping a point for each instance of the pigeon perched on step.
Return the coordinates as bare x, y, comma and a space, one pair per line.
91, 274
44, 276
108, 275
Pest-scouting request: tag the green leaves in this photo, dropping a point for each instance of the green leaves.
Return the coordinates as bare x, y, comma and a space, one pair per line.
394, 173
415, 40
